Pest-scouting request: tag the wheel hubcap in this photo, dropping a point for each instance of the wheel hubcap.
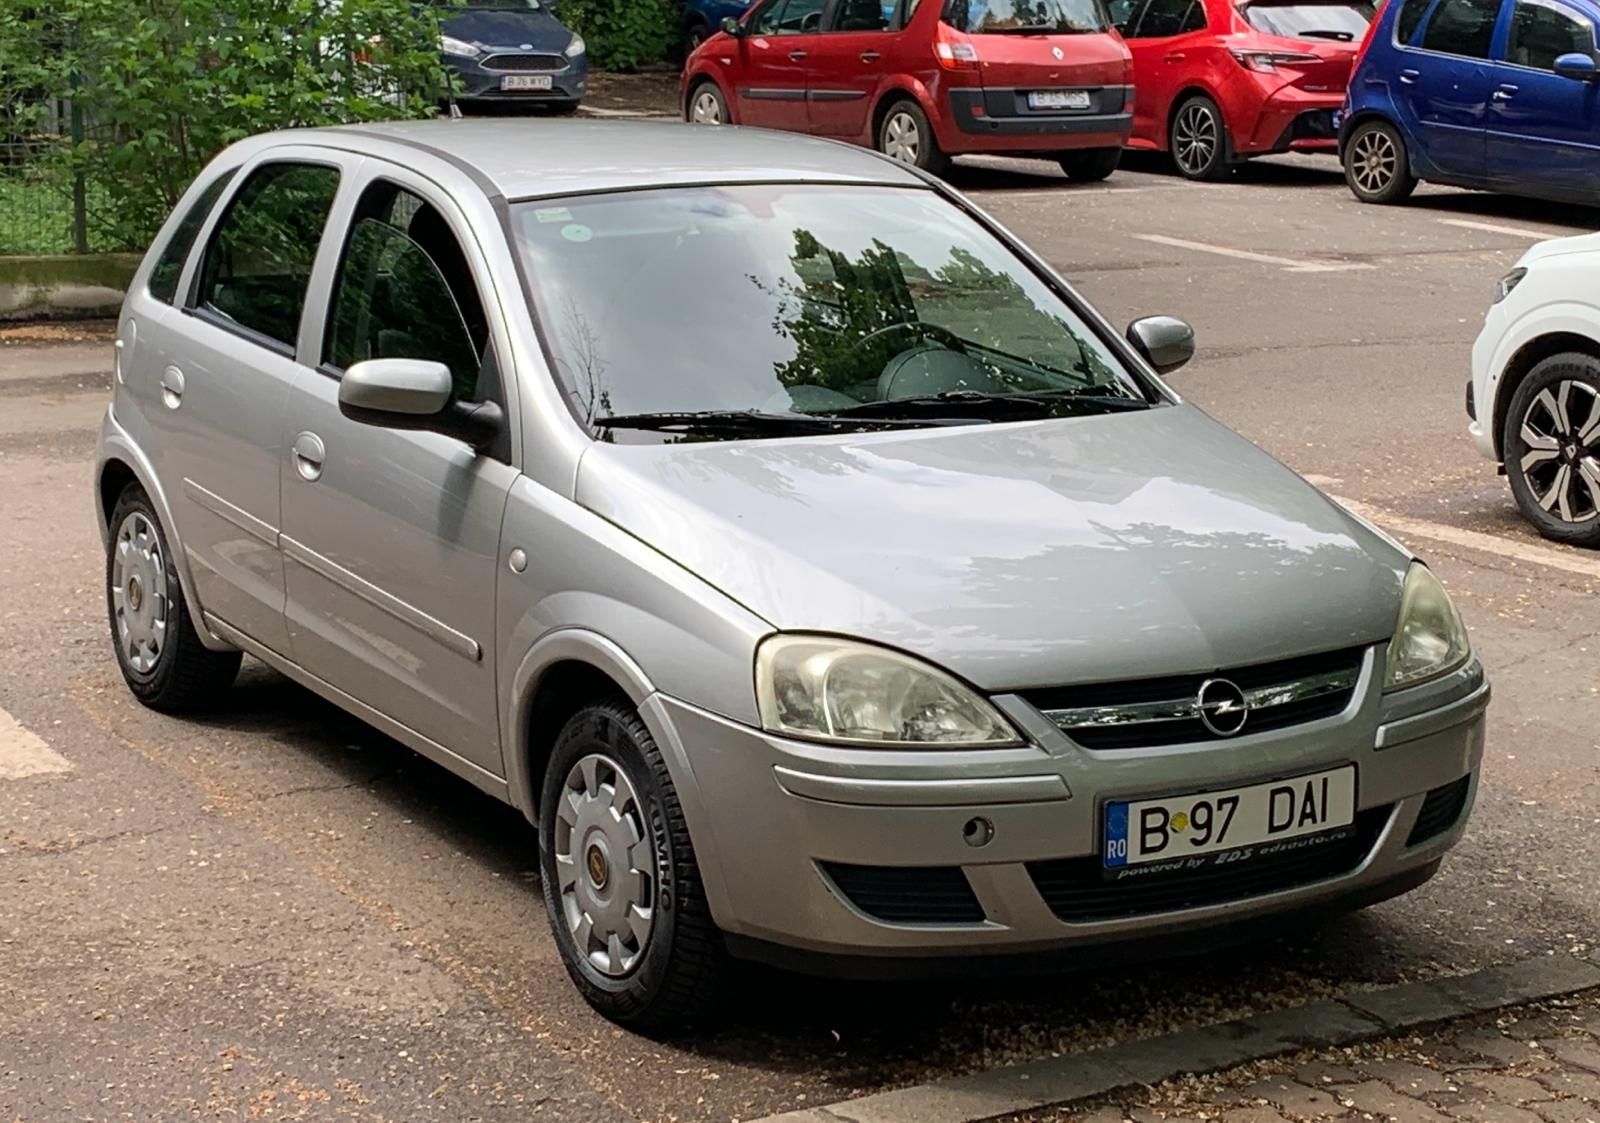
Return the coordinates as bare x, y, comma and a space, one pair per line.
605, 866
901, 138
1194, 138
1374, 161
1560, 430
138, 592
707, 109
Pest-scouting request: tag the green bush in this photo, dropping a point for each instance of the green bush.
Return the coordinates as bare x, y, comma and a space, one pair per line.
164, 85
621, 34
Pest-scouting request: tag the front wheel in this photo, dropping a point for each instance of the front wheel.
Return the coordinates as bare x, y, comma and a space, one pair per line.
621, 884
907, 136
1376, 165
1199, 140
162, 659
707, 106
1551, 445
1090, 165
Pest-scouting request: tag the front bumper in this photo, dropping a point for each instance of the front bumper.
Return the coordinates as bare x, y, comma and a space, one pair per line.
568, 83
999, 120
783, 828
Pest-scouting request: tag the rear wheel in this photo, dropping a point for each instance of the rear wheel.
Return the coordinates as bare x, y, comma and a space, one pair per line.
1199, 141
1089, 165
1551, 445
1376, 165
906, 135
707, 106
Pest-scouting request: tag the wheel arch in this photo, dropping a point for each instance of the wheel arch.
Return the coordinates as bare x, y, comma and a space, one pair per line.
1521, 364
1360, 117
902, 89
1191, 90
700, 78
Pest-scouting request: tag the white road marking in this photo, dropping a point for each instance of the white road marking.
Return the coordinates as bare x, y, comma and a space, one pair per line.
1495, 228
1405, 526
24, 754
1288, 264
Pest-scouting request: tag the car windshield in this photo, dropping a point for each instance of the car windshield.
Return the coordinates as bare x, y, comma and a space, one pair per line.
1002, 17
802, 302
1341, 22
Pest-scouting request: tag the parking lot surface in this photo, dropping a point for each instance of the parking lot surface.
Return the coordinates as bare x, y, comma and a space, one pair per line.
277, 913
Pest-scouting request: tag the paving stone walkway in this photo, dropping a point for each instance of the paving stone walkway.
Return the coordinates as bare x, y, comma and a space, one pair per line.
1533, 1064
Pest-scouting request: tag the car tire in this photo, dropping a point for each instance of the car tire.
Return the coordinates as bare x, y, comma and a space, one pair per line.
906, 135
1551, 445
706, 105
1198, 140
1376, 166
606, 790
695, 34
162, 659
1090, 165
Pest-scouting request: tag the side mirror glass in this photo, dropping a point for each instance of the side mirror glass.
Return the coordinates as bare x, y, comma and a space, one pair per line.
732, 27
1166, 342
373, 390
1579, 66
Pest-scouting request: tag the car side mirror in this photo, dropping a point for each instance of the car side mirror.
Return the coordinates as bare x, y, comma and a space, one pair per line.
416, 395
1578, 66
732, 28
1166, 342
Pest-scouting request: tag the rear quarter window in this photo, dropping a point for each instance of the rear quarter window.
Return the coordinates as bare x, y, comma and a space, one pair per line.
169, 266
1409, 19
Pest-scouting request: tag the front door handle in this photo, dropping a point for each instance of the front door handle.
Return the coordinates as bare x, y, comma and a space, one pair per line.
797, 56
172, 384
870, 56
1409, 77
309, 454
1505, 93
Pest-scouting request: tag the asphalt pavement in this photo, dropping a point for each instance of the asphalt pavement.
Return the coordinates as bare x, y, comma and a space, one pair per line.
277, 913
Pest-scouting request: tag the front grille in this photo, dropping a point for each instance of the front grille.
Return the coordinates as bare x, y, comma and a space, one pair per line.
524, 62
1077, 891
1440, 811
908, 894
1165, 711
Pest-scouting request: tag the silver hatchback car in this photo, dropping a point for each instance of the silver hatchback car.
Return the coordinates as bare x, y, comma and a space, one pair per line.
823, 577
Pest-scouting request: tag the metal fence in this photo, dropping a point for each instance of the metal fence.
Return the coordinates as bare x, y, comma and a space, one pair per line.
45, 206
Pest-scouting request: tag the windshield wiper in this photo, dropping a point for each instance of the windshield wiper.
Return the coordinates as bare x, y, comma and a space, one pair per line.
1336, 36
1031, 403
753, 423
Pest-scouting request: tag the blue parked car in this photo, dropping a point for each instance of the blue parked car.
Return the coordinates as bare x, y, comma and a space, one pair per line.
703, 18
513, 51
1502, 95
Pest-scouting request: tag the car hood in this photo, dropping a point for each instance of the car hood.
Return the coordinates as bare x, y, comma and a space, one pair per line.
490, 27
1557, 247
1018, 555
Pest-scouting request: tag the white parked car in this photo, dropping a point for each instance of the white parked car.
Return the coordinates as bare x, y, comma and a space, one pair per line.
1534, 399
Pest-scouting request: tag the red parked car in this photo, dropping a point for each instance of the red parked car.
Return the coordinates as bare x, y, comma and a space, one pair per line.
924, 80
1219, 81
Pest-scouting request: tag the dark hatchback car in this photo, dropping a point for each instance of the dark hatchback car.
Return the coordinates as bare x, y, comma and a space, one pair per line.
513, 51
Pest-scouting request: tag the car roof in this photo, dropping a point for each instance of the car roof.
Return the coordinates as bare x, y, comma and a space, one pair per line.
531, 159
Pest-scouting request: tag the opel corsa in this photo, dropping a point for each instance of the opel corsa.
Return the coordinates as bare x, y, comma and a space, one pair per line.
906, 617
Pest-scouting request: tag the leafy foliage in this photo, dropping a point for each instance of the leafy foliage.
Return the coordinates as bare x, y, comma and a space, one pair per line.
621, 34
164, 85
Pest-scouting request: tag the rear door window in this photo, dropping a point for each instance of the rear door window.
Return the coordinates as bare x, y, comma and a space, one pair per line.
259, 259
861, 15
1025, 17
790, 17
1163, 18
1339, 22
169, 266
1461, 27
1542, 33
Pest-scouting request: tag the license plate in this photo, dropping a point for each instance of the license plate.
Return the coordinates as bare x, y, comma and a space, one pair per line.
1058, 99
526, 82
1217, 827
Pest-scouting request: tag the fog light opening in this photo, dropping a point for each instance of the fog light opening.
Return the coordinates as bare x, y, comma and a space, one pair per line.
977, 832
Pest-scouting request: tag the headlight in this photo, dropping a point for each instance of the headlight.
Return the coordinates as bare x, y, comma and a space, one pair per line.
826, 689
576, 47
450, 45
1431, 640
1511, 280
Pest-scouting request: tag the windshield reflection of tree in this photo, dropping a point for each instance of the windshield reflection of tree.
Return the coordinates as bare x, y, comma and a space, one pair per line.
837, 310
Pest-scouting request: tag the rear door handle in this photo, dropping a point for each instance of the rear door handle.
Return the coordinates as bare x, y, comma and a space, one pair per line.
172, 385
1409, 77
870, 56
1175, 56
1505, 93
797, 56
309, 454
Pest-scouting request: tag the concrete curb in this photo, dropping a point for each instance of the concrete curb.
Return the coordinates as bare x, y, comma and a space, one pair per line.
64, 286
1356, 1017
